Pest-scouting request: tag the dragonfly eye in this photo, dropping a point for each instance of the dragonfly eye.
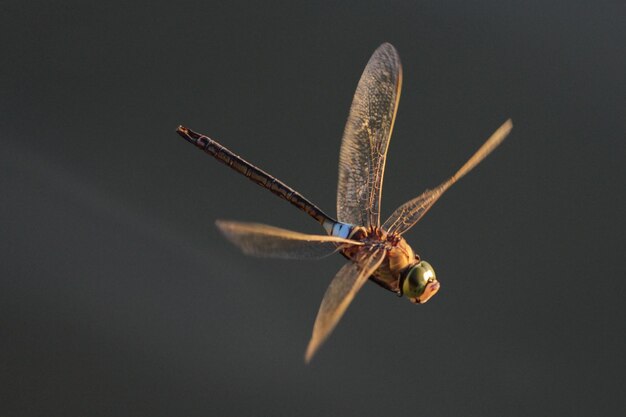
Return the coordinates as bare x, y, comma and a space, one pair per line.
420, 283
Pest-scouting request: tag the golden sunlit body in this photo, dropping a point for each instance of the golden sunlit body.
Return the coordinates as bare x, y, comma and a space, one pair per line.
400, 258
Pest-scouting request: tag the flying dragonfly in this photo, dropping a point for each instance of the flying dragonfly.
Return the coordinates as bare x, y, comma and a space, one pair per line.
376, 252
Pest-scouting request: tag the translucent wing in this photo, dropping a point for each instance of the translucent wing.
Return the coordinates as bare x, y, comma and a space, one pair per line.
267, 241
412, 211
339, 294
366, 138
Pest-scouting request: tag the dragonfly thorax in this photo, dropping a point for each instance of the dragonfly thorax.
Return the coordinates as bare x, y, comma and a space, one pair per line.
401, 270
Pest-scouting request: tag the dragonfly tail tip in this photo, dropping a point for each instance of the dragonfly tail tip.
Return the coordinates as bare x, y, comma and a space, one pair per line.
187, 134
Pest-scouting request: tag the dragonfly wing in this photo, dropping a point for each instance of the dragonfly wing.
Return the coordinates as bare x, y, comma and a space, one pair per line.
366, 139
267, 241
339, 294
412, 211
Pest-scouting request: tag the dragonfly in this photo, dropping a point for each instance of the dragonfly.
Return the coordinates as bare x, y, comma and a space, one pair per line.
375, 251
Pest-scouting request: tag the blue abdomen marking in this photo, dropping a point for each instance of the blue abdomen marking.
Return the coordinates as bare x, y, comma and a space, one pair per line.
342, 230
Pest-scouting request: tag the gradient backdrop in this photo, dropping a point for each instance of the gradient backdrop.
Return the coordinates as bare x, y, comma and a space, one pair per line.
118, 297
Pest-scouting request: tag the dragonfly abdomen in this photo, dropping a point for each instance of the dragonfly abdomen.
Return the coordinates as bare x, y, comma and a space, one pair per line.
254, 174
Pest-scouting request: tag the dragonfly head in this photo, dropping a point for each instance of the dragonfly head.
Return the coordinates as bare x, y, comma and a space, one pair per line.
420, 283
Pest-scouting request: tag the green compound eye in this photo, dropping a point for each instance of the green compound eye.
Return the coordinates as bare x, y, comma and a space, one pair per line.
420, 283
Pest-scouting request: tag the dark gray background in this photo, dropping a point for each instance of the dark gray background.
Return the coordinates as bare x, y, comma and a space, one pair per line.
118, 297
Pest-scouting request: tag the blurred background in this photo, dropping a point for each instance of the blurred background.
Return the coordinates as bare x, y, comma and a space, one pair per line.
118, 296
